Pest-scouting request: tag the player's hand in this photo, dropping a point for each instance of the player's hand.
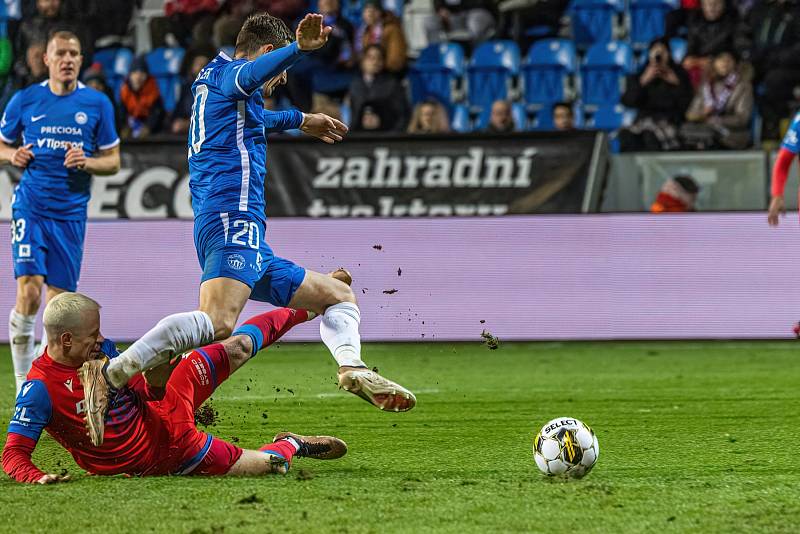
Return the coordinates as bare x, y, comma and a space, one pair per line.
22, 156
53, 479
323, 127
311, 34
75, 158
776, 208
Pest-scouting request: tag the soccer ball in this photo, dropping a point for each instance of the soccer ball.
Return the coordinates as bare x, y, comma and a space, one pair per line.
565, 446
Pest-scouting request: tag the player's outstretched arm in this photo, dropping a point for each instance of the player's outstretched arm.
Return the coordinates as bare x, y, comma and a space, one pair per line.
31, 414
240, 82
323, 127
17, 462
780, 173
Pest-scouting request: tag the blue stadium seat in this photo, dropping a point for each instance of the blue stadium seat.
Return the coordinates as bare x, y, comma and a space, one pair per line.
460, 120
436, 73
165, 66
542, 119
491, 72
594, 21
517, 111
647, 19
116, 63
678, 47
547, 70
603, 72
611, 117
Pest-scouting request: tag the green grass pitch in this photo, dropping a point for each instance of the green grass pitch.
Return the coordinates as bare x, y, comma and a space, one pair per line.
694, 437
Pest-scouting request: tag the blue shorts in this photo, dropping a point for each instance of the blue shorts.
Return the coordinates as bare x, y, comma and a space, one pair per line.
231, 245
48, 247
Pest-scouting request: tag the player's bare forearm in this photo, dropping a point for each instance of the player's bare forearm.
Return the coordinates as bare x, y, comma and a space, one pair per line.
6, 153
106, 162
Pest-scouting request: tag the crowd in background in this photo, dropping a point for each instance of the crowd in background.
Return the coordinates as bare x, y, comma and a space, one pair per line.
741, 54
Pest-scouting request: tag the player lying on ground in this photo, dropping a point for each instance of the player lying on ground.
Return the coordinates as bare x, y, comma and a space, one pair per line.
150, 428
227, 165
68, 131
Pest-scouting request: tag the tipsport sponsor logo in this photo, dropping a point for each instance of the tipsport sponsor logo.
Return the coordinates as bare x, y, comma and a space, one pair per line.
57, 144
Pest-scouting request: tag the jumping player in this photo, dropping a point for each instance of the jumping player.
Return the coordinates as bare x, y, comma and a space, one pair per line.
68, 134
150, 429
227, 159
790, 147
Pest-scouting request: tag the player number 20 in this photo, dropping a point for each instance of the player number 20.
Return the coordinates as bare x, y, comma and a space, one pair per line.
249, 228
18, 230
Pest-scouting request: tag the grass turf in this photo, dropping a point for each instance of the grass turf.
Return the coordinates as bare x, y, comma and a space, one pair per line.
696, 437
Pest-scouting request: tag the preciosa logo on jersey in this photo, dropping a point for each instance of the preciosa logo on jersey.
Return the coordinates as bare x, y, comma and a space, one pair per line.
81, 118
236, 262
68, 130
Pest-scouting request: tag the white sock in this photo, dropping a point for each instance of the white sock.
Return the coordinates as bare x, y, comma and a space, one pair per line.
339, 331
172, 335
42, 344
20, 334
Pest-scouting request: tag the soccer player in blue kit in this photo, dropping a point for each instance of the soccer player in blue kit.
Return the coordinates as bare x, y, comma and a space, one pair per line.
227, 164
68, 134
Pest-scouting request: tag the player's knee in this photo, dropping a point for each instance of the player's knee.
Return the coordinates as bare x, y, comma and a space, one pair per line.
239, 349
29, 295
223, 324
341, 292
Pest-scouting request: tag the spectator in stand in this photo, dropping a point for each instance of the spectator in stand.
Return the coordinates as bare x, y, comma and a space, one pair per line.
229, 23
187, 23
383, 28
460, 20
677, 195
193, 64
141, 102
501, 120
775, 55
660, 93
96, 79
371, 119
429, 117
563, 116
711, 30
383, 93
719, 115
329, 69
49, 17
32, 69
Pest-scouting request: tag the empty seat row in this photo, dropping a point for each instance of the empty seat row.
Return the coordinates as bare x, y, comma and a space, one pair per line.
595, 21
551, 72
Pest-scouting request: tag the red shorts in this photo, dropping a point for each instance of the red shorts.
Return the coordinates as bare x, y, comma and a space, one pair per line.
192, 382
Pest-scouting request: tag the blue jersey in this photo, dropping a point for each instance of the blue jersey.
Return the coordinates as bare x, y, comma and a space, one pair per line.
52, 123
227, 135
791, 141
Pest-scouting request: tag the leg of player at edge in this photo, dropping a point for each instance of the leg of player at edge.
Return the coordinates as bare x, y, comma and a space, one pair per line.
275, 457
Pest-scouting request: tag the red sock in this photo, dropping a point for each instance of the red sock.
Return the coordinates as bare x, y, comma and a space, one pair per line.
282, 447
267, 328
